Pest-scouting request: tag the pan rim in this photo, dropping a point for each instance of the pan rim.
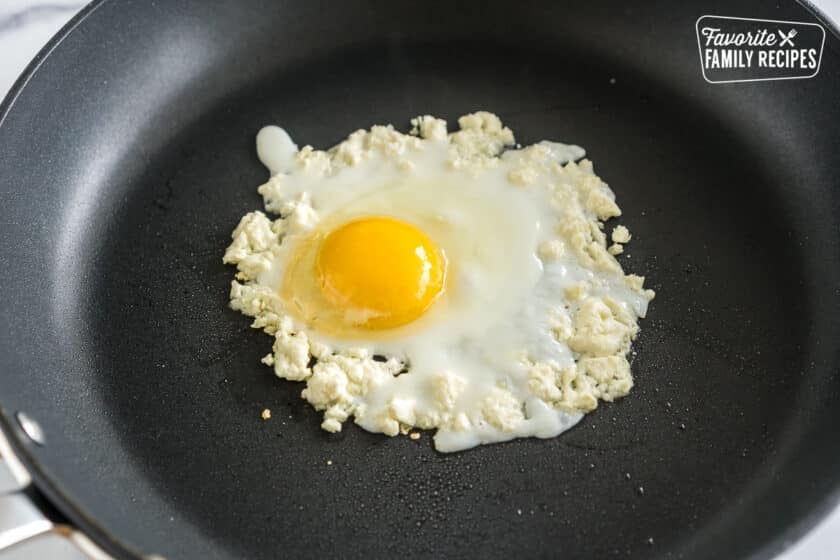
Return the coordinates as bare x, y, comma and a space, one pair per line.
43, 483
76, 513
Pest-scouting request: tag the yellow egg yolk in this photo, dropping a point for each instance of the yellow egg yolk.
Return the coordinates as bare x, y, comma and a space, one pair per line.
380, 272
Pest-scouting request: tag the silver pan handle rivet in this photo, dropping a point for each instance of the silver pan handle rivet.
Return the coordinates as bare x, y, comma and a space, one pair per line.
31, 428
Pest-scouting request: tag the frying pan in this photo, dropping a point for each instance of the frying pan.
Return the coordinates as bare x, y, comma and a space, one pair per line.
128, 157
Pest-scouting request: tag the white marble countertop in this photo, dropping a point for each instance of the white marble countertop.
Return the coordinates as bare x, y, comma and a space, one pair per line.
26, 25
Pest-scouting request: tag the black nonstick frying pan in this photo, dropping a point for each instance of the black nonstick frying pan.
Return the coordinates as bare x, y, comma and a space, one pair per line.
127, 157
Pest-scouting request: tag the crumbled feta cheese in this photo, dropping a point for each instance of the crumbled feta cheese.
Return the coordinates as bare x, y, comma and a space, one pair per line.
621, 235
551, 249
595, 329
602, 328
610, 376
502, 410
448, 387
523, 177
429, 127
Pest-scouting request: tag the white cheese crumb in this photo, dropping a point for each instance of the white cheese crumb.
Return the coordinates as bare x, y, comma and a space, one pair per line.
447, 388
523, 177
602, 328
621, 234
576, 291
429, 127
502, 410
543, 381
551, 249
610, 376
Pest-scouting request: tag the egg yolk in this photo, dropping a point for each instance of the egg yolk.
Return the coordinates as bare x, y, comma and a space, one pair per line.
380, 272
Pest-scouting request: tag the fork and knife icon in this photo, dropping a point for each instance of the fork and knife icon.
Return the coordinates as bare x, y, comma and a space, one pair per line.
787, 38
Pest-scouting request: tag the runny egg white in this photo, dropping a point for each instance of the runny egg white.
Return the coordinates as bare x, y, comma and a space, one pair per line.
424, 281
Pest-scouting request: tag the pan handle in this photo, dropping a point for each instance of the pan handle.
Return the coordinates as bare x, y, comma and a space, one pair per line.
20, 520
23, 516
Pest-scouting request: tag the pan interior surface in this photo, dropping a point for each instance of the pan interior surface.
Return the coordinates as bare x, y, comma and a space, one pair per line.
150, 389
